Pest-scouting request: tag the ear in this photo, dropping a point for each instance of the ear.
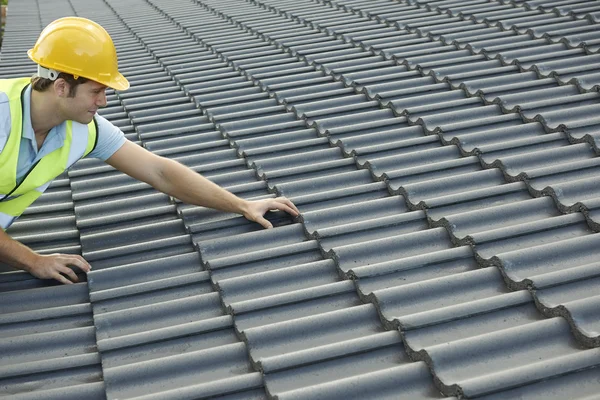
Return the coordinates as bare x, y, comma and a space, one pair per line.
61, 87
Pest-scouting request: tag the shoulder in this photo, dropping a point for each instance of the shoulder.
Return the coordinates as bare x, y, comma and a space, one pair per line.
106, 127
109, 139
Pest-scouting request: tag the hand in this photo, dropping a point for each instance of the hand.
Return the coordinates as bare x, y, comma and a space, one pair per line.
53, 265
255, 210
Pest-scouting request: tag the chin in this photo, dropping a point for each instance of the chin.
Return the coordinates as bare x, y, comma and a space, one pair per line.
85, 119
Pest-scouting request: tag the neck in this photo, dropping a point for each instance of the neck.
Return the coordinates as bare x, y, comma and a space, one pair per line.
44, 112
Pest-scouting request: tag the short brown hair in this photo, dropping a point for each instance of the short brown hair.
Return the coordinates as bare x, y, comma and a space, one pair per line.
41, 84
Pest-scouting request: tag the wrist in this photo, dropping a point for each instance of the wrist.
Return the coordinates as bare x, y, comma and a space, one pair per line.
243, 207
31, 261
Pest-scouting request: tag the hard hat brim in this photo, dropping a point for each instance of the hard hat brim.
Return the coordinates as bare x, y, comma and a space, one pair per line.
118, 83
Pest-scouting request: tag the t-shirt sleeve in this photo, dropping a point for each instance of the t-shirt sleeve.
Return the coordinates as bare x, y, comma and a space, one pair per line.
110, 139
4, 120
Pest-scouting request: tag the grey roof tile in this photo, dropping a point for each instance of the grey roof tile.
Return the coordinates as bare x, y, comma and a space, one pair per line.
309, 186
485, 312
541, 106
501, 131
411, 154
468, 177
587, 40
366, 141
528, 56
576, 301
387, 249
441, 121
534, 160
115, 323
513, 100
413, 86
122, 210
85, 390
142, 251
517, 147
588, 134
288, 147
412, 269
521, 24
373, 74
184, 338
565, 118
352, 213
282, 345
577, 384
574, 9
557, 30
322, 170
310, 92
341, 197
72, 383
578, 64
37, 353
490, 243
523, 212
383, 384
223, 370
365, 117
325, 107
445, 299
372, 229
122, 280
472, 200
323, 299
264, 260
269, 284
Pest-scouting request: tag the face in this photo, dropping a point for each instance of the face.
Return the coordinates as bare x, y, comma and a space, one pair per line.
88, 98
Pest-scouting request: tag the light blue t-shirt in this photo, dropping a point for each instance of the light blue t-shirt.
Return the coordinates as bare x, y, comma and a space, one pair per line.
110, 138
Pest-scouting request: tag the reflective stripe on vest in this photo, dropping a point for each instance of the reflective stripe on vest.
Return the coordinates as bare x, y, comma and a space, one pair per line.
80, 140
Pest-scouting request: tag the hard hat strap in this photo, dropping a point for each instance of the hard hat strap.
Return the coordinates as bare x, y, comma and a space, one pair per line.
47, 73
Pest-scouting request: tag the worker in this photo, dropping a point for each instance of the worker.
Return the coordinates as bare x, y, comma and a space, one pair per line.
50, 121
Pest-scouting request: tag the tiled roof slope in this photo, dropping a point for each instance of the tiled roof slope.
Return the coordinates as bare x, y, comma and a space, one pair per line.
443, 154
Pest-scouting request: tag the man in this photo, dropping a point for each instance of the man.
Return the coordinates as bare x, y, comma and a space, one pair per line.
49, 122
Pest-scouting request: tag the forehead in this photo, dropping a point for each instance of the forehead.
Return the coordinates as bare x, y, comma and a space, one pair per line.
93, 85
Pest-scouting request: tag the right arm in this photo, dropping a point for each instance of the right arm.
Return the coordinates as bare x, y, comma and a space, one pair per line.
52, 266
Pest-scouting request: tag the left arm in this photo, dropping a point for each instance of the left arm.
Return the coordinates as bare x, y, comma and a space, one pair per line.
177, 180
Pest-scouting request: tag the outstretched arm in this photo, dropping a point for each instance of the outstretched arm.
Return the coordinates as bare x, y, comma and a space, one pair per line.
179, 181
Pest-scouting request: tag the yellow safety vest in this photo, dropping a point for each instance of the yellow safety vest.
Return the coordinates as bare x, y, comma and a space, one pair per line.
15, 198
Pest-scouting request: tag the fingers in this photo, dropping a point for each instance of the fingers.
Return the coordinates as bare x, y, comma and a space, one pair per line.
69, 273
260, 207
284, 207
263, 221
61, 279
291, 206
79, 262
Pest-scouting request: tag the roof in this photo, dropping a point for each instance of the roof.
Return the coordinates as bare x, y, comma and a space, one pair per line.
443, 155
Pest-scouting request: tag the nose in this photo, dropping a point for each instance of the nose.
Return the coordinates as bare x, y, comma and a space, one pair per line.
101, 101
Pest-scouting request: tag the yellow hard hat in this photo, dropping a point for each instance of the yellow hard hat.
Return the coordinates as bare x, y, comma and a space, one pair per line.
79, 47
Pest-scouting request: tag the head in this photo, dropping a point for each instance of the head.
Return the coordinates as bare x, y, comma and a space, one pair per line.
75, 99
79, 56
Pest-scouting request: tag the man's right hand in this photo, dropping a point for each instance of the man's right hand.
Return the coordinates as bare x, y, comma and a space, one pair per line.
56, 266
